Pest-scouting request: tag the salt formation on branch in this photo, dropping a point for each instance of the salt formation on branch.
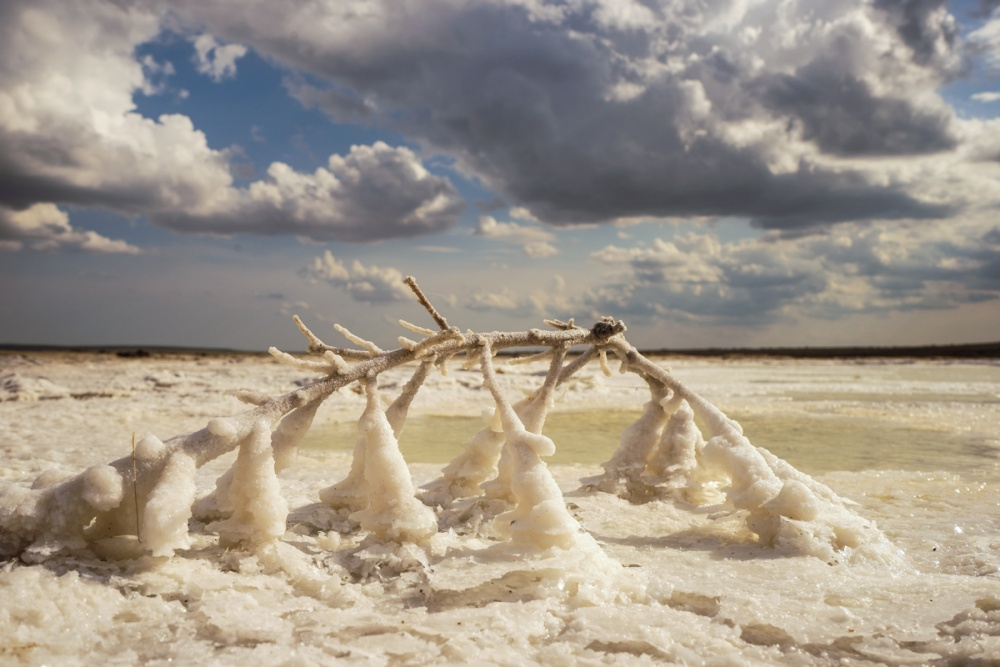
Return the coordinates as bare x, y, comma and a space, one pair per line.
149, 498
393, 512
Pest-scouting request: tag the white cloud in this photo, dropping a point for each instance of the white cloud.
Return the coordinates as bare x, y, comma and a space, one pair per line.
852, 269
987, 38
368, 284
537, 242
986, 97
43, 227
374, 192
215, 60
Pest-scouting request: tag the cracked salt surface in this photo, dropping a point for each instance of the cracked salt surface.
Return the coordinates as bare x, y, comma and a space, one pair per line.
914, 444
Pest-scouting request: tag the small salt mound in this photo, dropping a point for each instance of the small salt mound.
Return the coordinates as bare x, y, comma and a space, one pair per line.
17, 387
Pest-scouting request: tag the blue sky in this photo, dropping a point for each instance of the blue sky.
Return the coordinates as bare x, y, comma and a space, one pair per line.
724, 173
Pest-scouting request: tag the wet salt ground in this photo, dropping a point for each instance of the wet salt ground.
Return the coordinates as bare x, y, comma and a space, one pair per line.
915, 445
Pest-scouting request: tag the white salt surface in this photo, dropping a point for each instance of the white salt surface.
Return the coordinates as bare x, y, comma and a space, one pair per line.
915, 444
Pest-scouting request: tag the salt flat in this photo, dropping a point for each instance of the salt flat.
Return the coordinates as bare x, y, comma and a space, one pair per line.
914, 444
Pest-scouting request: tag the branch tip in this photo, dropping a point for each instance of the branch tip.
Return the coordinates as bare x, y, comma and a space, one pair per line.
411, 282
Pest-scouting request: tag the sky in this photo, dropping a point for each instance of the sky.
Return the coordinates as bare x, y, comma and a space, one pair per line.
716, 173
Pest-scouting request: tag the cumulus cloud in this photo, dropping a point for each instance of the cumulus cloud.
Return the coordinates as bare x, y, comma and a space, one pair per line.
44, 227
374, 192
591, 112
368, 284
70, 134
987, 38
537, 242
986, 97
217, 61
854, 269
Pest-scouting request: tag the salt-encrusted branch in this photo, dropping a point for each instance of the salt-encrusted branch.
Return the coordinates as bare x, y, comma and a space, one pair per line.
425, 302
782, 505
373, 349
317, 346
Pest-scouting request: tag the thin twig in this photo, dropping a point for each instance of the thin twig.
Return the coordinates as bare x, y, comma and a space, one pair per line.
438, 317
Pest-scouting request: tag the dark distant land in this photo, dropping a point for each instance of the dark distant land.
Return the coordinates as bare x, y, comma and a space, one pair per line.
965, 351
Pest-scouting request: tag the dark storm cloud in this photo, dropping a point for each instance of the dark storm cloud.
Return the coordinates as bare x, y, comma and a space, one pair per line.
923, 25
839, 111
586, 115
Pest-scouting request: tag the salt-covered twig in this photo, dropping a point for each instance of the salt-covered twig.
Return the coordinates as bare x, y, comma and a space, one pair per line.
373, 349
425, 302
781, 505
250, 397
559, 324
604, 362
423, 331
329, 366
317, 346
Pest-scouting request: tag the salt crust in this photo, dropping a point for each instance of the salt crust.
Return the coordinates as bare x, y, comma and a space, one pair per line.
239, 599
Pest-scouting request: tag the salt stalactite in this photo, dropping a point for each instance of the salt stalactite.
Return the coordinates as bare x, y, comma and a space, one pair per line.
532, 412
476, 464
484, 464
393, 513
783, 507
540, 519
164, 525
290, 433
260, 512
674, 464
349, 493
285, 443
623, 470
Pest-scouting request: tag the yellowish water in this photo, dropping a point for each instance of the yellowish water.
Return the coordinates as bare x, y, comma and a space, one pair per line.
814, 443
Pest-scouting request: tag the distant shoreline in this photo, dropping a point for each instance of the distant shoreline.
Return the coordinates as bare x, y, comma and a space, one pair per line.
964, 351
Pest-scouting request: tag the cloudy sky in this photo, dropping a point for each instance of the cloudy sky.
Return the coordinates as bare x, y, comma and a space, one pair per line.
714, 172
